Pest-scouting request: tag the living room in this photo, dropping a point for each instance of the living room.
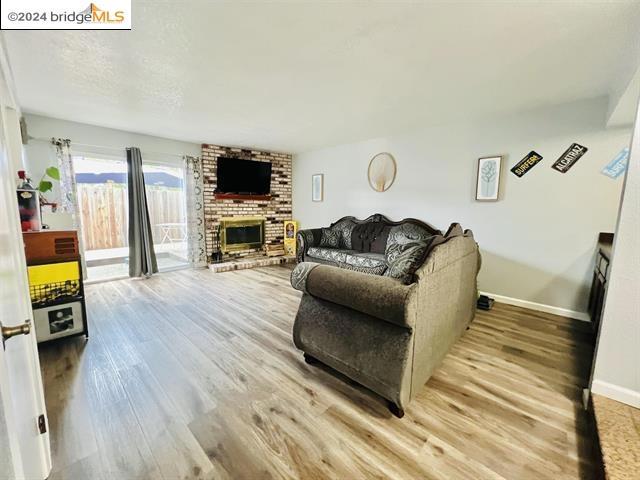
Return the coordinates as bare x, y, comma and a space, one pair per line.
310, 240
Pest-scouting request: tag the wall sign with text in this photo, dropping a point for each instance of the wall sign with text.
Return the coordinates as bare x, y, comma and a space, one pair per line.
526, 164
569, 158
618, 165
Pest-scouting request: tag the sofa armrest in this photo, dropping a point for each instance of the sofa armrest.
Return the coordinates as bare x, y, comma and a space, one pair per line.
447, 251
382, 297
306, 239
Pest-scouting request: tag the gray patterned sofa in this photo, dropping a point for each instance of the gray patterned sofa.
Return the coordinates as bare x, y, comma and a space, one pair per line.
375, 245
384, 301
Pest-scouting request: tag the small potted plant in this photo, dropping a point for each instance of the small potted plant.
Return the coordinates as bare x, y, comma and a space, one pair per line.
30, 202
46, 185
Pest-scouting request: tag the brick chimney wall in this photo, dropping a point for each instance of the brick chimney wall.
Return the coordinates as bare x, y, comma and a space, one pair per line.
275, 211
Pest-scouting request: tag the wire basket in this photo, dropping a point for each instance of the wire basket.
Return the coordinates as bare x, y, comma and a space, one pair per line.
46, 293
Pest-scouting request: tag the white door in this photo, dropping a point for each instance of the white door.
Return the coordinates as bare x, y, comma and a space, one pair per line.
24, 449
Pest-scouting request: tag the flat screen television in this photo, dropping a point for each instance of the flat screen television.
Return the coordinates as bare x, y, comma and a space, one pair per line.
243, 176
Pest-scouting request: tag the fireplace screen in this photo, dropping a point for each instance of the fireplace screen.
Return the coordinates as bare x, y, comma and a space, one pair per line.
241, 233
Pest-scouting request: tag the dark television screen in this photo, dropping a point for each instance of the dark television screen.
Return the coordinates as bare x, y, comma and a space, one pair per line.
243, 176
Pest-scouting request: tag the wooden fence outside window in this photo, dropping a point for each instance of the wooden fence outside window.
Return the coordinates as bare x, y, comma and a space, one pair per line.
104, 212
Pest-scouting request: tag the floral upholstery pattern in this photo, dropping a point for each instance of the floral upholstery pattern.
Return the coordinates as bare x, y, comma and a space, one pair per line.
377, 270
404, 259
299, 275
307, 236
406, 233
305, 239
375, 245
348, 257
366, 261
345, 228
328, 254
330, 238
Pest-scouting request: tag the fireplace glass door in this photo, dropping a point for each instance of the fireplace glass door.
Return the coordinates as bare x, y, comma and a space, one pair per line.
241, 233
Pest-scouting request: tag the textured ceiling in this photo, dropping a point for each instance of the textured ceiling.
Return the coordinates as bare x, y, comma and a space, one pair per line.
301, 75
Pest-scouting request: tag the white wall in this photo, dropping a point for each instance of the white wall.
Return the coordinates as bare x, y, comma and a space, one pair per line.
617, 364
537, 242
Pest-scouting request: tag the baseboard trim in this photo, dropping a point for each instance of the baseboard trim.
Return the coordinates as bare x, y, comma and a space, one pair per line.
540, 307
614, 392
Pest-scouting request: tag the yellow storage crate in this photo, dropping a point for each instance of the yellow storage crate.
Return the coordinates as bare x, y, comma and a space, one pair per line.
53, 282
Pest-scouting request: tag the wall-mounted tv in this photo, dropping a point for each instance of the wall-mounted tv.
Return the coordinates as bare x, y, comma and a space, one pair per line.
246, 177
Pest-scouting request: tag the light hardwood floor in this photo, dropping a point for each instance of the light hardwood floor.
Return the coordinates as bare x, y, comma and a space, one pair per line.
192, 374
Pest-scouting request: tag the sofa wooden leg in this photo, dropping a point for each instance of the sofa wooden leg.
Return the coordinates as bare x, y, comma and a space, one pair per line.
310, 360
396, 410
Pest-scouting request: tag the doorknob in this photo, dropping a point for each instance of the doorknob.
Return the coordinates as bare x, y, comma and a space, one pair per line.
8, 332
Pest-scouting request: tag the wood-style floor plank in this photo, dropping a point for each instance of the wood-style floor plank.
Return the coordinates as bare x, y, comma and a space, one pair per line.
194, 375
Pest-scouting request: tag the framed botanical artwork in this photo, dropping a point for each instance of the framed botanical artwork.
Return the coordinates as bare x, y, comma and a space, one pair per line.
317, 186
488, 181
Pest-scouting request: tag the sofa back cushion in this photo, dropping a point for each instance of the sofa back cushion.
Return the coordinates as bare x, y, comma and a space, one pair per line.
344, 228
407, 248
407, 233
329, 238
370, 237
403, 259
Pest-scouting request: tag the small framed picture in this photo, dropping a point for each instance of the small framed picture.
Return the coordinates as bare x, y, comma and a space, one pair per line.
317, 185
488, 181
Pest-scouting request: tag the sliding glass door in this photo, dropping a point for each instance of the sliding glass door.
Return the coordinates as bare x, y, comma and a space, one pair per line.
101, 186
103, 209
167, 212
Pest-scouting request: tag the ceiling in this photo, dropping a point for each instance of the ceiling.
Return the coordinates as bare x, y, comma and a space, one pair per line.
301, 75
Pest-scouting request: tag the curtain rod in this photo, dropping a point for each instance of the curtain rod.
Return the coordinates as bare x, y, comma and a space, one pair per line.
115, 149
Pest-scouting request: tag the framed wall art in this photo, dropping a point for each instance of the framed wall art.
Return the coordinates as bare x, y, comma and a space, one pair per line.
317, 187
382, 171
488, 180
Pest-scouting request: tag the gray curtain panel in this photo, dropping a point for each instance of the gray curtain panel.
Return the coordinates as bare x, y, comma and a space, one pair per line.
142, 257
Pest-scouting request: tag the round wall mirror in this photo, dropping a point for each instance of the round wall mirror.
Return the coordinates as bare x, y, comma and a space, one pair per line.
382, 171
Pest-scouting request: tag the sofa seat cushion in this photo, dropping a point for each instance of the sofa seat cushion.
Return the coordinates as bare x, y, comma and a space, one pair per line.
333, 255
376, 256
371, 263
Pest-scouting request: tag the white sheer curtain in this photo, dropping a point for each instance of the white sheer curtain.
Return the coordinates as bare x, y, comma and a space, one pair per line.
68, 195
194, 191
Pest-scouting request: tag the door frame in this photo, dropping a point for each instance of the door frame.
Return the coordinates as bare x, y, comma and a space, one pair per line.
35, 463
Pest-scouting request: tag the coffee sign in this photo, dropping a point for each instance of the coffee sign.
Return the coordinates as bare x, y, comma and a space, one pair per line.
526, 164
569, 158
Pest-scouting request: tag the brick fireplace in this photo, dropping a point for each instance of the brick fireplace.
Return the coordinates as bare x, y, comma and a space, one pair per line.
273, 210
